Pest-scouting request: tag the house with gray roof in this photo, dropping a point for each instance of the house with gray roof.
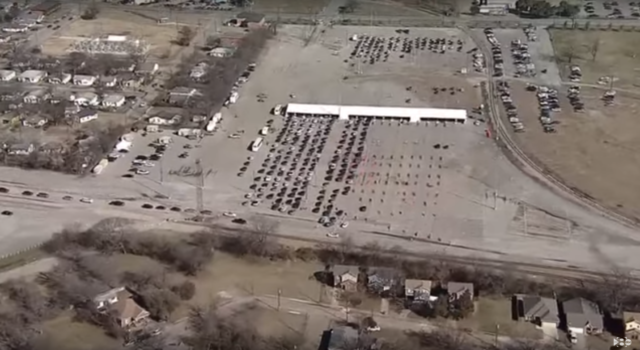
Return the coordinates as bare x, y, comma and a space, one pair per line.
384, 279
457, 289
541, 311
582, 316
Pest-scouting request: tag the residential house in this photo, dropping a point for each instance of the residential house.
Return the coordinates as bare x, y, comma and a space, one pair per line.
130, 80
383, 279
120, 301
86, 115
419, 290
199, 71
336, 338
58, 96
148, 68
456, 290
36, 96
346, 277
162, 119
109, 81
84, 80
541, 311
51, 148
7, 75
85, 99
72, 110
59, 78
582, 316
32, 76
181, 95
152, 128
221, 52
631, 325
5, 38
20, 149
113, 100
34, 121
250, 19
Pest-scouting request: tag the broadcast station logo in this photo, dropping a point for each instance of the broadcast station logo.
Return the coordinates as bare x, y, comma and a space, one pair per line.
622, 342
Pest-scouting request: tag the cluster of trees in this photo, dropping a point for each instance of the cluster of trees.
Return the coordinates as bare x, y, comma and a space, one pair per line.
91, 12
456, 308
222, 73
544, 9
188, 256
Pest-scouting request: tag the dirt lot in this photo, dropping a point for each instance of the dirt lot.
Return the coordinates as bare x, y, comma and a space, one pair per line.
616, 54
492, 312
111, 22
62, 332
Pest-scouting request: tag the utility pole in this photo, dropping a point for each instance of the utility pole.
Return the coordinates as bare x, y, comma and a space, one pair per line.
279, 294
200, 174
497, 331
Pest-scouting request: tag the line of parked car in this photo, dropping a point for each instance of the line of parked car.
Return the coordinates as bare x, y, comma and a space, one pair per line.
509, 106
547, 102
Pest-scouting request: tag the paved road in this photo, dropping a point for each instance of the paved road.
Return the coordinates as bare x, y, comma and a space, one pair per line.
330, 13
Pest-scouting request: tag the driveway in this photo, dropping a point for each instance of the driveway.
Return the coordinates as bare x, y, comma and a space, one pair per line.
550, 333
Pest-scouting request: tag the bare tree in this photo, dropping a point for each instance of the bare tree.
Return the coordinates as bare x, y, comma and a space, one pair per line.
185, 35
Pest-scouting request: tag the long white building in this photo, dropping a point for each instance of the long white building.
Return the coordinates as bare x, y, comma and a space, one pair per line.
402, 113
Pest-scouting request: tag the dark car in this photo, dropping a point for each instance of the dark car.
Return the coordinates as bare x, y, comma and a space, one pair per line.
67, 198
117, 203
161, 207
155, 157
42, 195
128, 175
27, 193
176, 209
7, 213
147, 206
4, 190
239, 221
206, 212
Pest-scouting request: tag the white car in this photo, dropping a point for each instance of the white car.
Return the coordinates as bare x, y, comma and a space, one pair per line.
248, 195
344, 224
137, 162
333, 235
234, 136
142, 172
86, 200
148, 164
229, 214
373, 329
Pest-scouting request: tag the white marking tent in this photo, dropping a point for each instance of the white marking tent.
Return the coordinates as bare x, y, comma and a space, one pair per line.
412, 114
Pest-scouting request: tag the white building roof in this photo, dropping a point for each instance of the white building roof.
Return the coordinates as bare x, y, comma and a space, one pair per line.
343, 112
33, 74
112, 98
6, 73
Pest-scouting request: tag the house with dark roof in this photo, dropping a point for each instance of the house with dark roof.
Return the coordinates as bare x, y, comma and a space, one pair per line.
418, 290
338, 338
541, 311
384, 279
582, 316
120, 301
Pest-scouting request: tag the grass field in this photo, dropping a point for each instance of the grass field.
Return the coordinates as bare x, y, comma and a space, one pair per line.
63, 333
491, 312
615, 54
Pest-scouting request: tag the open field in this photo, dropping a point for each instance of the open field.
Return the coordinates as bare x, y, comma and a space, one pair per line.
615, 55
62, 332
303, 7
111, 22
595, 151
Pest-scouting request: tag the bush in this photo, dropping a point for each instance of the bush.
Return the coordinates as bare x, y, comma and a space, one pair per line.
185, 290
